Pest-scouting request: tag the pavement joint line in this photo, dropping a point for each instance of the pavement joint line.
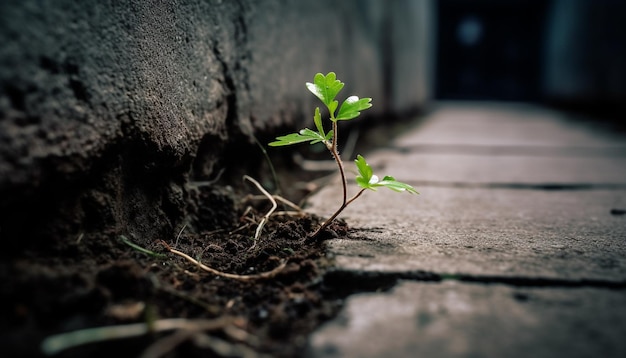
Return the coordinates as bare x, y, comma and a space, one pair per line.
508, 150
520, 186
521, 281
515, 186
362, 281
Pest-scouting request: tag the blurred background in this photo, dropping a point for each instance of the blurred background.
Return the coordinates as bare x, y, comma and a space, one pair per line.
566, 53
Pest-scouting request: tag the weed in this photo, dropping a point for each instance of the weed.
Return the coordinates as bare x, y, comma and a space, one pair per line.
138, 248
326, 88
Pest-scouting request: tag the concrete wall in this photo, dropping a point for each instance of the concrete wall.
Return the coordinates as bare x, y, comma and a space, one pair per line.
109, 109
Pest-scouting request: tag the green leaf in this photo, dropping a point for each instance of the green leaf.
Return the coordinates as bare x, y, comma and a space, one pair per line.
305, 135
125, 240
313, 135
367, 180
317, 118
352, 106
325, 88
393, 184
289, 139
365, 172
333, 107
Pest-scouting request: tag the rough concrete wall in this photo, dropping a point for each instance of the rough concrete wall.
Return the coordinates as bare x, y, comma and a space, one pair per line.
109, 109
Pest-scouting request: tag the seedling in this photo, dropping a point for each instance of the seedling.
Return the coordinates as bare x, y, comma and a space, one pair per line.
326, 89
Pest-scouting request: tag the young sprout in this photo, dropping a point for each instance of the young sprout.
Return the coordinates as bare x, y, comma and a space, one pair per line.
326, 89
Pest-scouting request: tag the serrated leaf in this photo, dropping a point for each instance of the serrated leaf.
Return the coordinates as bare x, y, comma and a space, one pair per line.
288, 139
363, 183
351, 107
367, 180
313, 135
325, 88
365, 172
393, 184
305, 135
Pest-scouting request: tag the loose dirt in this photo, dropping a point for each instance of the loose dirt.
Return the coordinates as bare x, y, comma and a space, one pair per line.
102, 280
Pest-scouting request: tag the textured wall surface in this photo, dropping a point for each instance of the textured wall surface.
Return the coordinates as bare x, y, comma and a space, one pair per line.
109, 109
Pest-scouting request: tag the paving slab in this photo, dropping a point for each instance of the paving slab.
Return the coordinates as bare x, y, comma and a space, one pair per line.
513, 170
491, 232
453, 319
491, 214
507, 125
512, 198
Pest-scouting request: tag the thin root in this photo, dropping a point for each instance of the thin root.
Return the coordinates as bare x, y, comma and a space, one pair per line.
277, 198
239, 229
245, 278
268, 214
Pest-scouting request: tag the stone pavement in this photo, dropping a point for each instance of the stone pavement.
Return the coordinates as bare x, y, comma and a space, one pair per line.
516, 246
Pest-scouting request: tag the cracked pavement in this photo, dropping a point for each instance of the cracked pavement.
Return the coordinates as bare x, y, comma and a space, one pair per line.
515, 247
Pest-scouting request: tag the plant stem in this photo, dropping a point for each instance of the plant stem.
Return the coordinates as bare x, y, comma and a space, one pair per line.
335, 153
330, 220
333, 150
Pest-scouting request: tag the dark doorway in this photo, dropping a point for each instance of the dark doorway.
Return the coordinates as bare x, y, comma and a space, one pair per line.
490, 49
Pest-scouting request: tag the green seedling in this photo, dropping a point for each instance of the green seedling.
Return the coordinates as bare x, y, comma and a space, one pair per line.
326, 89
138, 248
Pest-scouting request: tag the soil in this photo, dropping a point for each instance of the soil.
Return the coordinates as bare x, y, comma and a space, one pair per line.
104, 280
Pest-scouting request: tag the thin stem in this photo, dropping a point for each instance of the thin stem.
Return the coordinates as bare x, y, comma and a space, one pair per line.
342, 172
335, 153
330, 220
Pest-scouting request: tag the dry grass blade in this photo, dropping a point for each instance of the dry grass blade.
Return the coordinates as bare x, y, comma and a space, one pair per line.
60, 342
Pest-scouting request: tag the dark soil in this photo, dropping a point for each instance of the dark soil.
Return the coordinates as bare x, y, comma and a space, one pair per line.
100, 280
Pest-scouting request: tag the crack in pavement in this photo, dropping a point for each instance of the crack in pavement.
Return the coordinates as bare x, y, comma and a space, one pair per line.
348, 282
521, 186
510, 150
